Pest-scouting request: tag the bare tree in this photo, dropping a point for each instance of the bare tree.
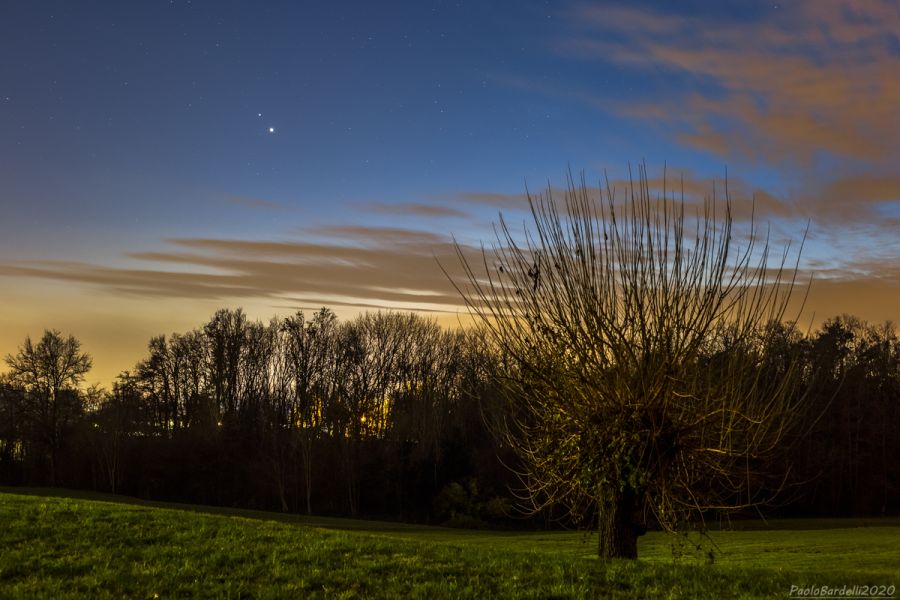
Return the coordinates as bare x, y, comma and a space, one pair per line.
226, 337
634, 388
310, 354
50, 373
12, 430
158, 376
189, 352
116, 416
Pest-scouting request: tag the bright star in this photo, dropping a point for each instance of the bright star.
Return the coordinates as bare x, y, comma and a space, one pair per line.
271, 130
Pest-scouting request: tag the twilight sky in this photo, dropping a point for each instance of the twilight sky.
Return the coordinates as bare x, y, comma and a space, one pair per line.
159, 160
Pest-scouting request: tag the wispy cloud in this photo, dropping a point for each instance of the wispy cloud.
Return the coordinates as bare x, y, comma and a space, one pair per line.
747, 200
371, 267
420, 209
359, 266
811, 76
495, 200
391, 236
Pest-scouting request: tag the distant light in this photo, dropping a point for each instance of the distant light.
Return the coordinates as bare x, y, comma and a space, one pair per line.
271, 130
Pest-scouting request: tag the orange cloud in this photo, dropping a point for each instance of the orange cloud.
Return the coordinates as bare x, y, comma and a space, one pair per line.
813, 76
809, 91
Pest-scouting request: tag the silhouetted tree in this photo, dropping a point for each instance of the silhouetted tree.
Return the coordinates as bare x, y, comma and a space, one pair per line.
635, 389
225, 337
880, 353
12, 432
309, 352
115, 418
846, 457
49, 373
391, 414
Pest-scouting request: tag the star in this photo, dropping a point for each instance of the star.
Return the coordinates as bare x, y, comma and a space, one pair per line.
271, 130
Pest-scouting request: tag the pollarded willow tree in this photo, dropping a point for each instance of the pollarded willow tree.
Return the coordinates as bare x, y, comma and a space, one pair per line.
636, 338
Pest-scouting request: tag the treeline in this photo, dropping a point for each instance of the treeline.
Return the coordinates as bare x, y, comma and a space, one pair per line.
380, 415
384, 415
847, 465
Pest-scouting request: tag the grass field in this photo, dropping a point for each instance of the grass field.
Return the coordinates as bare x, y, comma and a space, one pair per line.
69, 544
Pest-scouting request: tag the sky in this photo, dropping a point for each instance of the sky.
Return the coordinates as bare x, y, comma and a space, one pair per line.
162, 159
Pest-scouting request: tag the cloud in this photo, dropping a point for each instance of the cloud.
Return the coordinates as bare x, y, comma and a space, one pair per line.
359, 266
410, 209
496, 200
874, 188
676, 183
806, 93
841, 202
374, 267
381, 235
812, 76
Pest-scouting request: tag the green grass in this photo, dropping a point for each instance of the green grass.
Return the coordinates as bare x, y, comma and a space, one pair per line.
57, 546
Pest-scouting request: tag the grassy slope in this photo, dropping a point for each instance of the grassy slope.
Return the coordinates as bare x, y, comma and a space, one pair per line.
57, 546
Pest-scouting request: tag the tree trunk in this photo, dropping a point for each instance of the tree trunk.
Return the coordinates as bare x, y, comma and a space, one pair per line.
616, 530
52, 467
306, 449
350, 452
